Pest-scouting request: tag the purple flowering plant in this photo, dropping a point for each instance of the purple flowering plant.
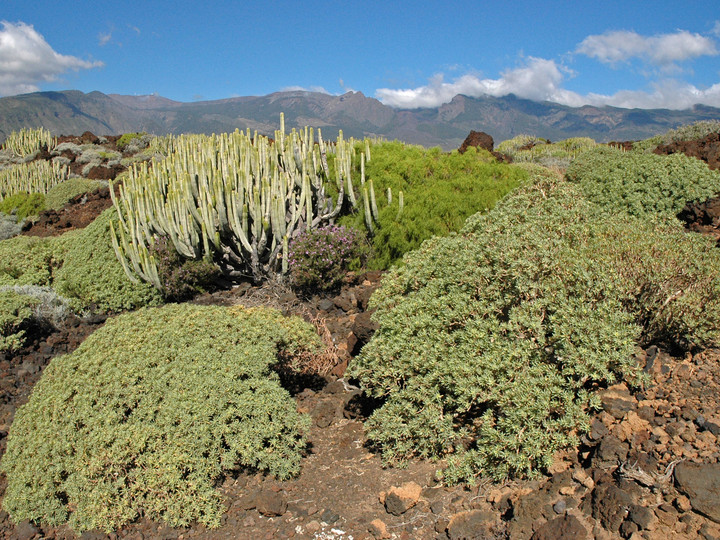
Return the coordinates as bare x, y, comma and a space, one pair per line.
319, 259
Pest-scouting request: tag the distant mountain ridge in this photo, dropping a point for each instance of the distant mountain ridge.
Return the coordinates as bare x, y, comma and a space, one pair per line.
72, 112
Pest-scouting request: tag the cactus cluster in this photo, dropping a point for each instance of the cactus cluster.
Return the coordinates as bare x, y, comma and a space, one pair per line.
26, 141
234, 198
34, 177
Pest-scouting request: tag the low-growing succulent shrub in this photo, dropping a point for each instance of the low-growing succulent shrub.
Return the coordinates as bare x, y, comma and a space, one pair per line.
641, 184
23, 204
149, 413
16, 314
320, 258
439, 192
181, 278
91, 273
60, 194
490, 339
27, 260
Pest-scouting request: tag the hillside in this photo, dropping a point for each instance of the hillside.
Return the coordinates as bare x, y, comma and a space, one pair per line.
73, 112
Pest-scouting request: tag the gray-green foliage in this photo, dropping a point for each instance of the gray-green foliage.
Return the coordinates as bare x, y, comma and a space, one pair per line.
489, 338
641, 184
27, 260
147, 415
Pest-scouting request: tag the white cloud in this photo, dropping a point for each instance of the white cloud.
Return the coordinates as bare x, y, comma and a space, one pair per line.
319, 89
663, 49
26, 60
104, 39
539, 79
668, 94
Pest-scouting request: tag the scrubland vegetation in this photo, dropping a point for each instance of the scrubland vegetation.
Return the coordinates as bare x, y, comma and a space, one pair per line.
512, 293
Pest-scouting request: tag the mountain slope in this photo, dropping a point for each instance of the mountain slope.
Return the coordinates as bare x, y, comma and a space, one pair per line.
73, 112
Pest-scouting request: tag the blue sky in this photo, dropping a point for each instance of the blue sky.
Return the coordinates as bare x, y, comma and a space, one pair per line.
643, 54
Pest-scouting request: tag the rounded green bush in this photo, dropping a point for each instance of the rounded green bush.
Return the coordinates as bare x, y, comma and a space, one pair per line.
489, 339
149, 413
641, 184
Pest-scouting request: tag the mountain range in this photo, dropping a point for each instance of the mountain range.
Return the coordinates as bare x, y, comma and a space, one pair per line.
72, 112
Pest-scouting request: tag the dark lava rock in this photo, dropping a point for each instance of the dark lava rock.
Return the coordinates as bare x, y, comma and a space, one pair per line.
561, 528
610, 452
701, 483
324, 413
609, 506
471, 524
363, 329
25, 531
270, 503
478, 139
706, 149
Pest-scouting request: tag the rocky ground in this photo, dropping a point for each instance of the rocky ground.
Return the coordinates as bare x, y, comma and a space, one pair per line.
649, 468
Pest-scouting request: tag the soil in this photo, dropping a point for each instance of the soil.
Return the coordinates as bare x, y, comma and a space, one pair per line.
648, 468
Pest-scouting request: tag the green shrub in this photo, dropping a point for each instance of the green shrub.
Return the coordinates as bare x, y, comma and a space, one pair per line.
16, 313
91, 274
148, 414
135, 139
60, 194
23, 204
319, 259
642, 184
490, 339
692, 132
27, 260
440, 191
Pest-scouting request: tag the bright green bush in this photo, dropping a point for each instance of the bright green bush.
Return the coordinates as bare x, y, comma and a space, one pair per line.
489, 339
16, 313
149, 413
23, 204
642, 184
91, 273
439, 190
60, 194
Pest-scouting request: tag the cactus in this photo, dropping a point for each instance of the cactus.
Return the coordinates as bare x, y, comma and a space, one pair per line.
33, 177
26, 141
230, 198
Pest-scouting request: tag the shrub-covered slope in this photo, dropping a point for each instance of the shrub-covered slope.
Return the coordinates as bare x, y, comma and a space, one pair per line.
490, 339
